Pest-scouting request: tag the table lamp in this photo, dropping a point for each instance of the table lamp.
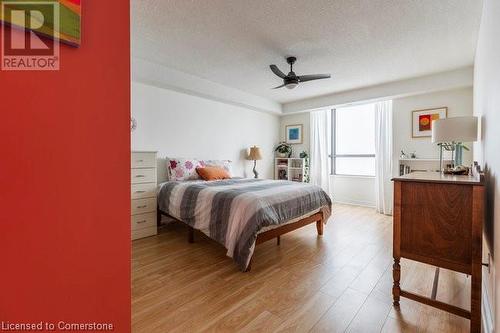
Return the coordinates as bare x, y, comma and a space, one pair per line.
450, 133
255, 155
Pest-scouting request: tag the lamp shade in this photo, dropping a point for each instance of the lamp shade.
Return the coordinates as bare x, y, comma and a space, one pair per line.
457, 129
255, 154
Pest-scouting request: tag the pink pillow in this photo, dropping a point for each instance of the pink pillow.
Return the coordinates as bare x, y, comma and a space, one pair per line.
183, 169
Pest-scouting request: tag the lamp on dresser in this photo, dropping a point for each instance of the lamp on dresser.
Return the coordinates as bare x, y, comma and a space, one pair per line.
451, 133
255, 155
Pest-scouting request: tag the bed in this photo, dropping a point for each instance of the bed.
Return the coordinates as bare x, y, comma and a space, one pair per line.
239, 213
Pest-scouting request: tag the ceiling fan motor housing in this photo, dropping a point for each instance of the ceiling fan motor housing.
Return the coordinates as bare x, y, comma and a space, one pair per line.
291, 79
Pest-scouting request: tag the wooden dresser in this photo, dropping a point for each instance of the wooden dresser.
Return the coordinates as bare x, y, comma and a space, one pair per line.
143, 194
438, 220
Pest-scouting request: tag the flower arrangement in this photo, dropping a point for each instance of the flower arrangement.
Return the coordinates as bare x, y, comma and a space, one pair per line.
284, 149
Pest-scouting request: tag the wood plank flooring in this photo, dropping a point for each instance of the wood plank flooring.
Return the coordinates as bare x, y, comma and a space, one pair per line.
340, 282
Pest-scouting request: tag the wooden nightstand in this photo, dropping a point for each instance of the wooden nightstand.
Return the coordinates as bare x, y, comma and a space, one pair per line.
438, 220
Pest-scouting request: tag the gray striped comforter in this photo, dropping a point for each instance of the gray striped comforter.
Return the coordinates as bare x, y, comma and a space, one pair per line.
232, 212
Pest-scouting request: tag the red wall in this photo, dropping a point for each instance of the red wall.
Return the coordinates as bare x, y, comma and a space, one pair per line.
64, 176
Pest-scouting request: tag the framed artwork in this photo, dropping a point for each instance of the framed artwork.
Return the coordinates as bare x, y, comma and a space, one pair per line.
422, 121
294, 134
56, 19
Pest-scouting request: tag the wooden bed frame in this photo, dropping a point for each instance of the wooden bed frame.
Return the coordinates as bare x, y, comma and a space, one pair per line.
270, 234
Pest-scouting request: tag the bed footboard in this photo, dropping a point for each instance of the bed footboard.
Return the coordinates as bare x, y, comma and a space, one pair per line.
276, 233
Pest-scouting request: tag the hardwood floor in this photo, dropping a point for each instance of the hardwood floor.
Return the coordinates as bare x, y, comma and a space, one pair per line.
340, 282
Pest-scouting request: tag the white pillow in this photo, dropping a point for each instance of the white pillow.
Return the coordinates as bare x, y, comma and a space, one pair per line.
182, 169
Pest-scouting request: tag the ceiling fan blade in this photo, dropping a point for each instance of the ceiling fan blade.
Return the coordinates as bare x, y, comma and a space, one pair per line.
276, 71
279, 86
304, 78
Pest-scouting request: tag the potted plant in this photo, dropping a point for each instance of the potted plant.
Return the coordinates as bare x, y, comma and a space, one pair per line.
283, 150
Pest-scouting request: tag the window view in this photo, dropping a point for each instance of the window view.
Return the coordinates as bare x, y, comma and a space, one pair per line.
353, 140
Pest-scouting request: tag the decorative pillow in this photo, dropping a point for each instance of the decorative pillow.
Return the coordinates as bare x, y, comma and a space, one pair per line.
183, 169
225, 164
212, 173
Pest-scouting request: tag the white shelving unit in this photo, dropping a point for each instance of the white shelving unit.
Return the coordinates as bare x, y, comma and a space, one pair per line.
293, 169
407, 165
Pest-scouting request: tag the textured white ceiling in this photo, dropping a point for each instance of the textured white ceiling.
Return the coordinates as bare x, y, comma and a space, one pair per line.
360, 42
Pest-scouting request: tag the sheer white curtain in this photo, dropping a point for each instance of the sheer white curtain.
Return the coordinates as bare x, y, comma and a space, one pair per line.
319, 172
383, 157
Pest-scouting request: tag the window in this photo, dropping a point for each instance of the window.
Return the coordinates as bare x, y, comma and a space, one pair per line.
353, 140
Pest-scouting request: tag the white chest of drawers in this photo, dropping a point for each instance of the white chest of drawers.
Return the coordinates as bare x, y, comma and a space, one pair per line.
143, 194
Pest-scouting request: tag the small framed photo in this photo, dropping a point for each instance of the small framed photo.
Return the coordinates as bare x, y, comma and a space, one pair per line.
294, 134
422, 121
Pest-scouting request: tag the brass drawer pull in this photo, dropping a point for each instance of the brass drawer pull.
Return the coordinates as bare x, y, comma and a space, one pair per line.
140, 191
140, 176
143, 221
143, 206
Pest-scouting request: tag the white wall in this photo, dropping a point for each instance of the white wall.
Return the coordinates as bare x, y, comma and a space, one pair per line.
353, 190
181, 125
459, 103
361, 190
296, 119
487, 151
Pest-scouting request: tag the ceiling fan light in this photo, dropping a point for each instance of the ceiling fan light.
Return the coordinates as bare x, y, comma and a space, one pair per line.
291, 85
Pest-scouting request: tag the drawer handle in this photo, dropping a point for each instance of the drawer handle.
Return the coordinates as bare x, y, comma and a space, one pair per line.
140, 161
140, 176
140, 191
143, 221
143, 206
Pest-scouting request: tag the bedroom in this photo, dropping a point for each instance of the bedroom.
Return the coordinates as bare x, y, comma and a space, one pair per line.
290, 166
217, 101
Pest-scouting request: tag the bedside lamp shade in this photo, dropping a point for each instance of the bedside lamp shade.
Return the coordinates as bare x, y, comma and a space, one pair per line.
458, 129
255, 154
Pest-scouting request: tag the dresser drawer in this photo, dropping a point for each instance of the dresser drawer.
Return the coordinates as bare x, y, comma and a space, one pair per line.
141, 191
143, 160
140, 206
139, 176
145, 232
142, 221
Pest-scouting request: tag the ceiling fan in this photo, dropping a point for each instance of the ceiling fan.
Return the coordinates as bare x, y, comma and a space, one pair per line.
292, 80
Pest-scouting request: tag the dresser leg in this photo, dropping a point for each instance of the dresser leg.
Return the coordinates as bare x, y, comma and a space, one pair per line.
475, 304
396, 275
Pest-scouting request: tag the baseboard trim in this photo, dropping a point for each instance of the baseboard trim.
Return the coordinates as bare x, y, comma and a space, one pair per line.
355, 203
486, 314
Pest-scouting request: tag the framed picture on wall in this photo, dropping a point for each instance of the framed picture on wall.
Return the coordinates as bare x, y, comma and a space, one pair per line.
294, 134
422, 121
